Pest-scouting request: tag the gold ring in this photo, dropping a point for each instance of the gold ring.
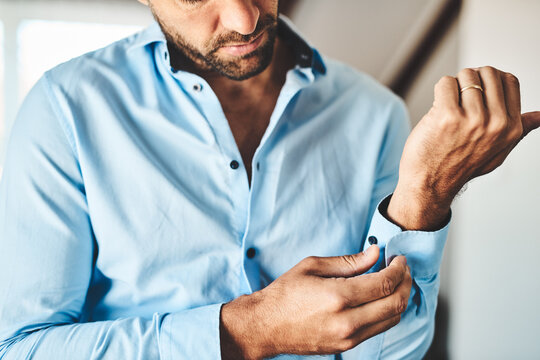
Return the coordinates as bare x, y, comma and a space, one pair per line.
472, 87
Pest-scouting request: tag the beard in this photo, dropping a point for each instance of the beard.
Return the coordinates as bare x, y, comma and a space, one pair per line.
238, 68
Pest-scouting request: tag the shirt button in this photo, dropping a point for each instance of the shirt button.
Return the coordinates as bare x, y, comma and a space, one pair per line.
234, 165
258, 166
372, 240
197, 87
166, 56
250, 253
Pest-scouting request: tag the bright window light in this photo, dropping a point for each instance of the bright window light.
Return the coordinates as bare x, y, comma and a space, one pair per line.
2, 106
45, 44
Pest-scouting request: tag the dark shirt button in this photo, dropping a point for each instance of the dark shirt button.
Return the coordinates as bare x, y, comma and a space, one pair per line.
258, 166
234, 165
197, 87
372, 240
251, 252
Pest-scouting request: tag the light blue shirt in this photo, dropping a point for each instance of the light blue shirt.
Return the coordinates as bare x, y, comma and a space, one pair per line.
124, 225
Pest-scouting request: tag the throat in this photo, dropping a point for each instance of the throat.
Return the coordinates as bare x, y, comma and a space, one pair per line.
249, 104
248, 125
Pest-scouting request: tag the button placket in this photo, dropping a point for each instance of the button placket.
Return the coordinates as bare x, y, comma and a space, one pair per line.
251, 253
234, 165
197, 87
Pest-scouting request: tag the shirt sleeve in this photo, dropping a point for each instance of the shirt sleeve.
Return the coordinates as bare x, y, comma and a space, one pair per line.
47, 258
411, 338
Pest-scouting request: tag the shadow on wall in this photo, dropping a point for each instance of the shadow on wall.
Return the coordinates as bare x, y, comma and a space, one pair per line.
439, 347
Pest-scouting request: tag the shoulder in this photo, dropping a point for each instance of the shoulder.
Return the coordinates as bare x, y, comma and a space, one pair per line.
116, 60
347, 79
360, 95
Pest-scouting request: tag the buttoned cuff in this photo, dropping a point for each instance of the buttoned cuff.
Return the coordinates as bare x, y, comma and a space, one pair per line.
423, 249
191, 334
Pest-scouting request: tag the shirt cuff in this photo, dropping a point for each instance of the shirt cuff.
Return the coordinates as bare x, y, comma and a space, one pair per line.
423, 249
191, 334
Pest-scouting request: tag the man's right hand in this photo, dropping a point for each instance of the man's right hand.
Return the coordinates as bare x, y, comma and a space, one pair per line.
323, 305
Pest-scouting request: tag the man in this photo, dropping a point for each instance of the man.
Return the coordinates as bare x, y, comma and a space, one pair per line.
202, 190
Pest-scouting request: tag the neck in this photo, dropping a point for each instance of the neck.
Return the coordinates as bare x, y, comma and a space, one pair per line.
273, 77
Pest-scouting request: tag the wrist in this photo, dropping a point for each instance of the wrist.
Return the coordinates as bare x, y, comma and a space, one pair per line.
241, 332
418, 208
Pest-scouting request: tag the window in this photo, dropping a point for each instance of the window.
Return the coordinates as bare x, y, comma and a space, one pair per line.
38, 35
41, 45
2, 106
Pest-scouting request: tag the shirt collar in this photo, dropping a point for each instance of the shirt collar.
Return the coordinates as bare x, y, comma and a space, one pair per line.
306, 56
152, 34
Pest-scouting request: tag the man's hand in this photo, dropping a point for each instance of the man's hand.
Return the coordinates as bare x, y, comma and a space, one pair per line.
464, 135
320, 306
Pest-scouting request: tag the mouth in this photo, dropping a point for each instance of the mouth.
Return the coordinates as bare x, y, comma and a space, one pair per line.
243, 49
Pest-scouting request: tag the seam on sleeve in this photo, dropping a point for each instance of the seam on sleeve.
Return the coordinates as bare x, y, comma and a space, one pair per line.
58, 114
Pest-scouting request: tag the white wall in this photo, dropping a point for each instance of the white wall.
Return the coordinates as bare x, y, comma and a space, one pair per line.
489, 273
369, 35
495, 271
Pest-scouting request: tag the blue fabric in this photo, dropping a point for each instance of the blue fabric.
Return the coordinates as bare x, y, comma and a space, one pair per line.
123, 227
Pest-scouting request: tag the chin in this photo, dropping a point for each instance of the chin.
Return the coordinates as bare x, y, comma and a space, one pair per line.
240, 73
247, 66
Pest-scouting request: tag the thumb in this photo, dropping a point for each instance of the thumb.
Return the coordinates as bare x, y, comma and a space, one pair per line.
530, 121
346, 265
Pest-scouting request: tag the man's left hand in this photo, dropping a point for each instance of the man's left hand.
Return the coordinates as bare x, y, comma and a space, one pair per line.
467, 133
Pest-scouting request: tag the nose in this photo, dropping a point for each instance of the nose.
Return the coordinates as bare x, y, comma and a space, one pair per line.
241, 16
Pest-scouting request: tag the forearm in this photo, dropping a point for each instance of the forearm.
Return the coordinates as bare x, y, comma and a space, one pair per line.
134, 338
187, 334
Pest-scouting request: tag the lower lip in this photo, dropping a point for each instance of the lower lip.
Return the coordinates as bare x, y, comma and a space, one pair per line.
241, 50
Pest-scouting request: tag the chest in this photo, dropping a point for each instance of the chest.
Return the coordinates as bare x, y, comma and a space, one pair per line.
191, 211
248, 121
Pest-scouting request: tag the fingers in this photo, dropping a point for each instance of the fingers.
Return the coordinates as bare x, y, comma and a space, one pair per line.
512, 95
376, 329
377, 316
493, 91
381, 310
447, 93
351, 336
366, 288
530, 121
342, 266
472, 100
355, 325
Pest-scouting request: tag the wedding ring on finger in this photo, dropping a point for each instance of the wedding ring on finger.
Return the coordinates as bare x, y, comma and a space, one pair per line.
471, 87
